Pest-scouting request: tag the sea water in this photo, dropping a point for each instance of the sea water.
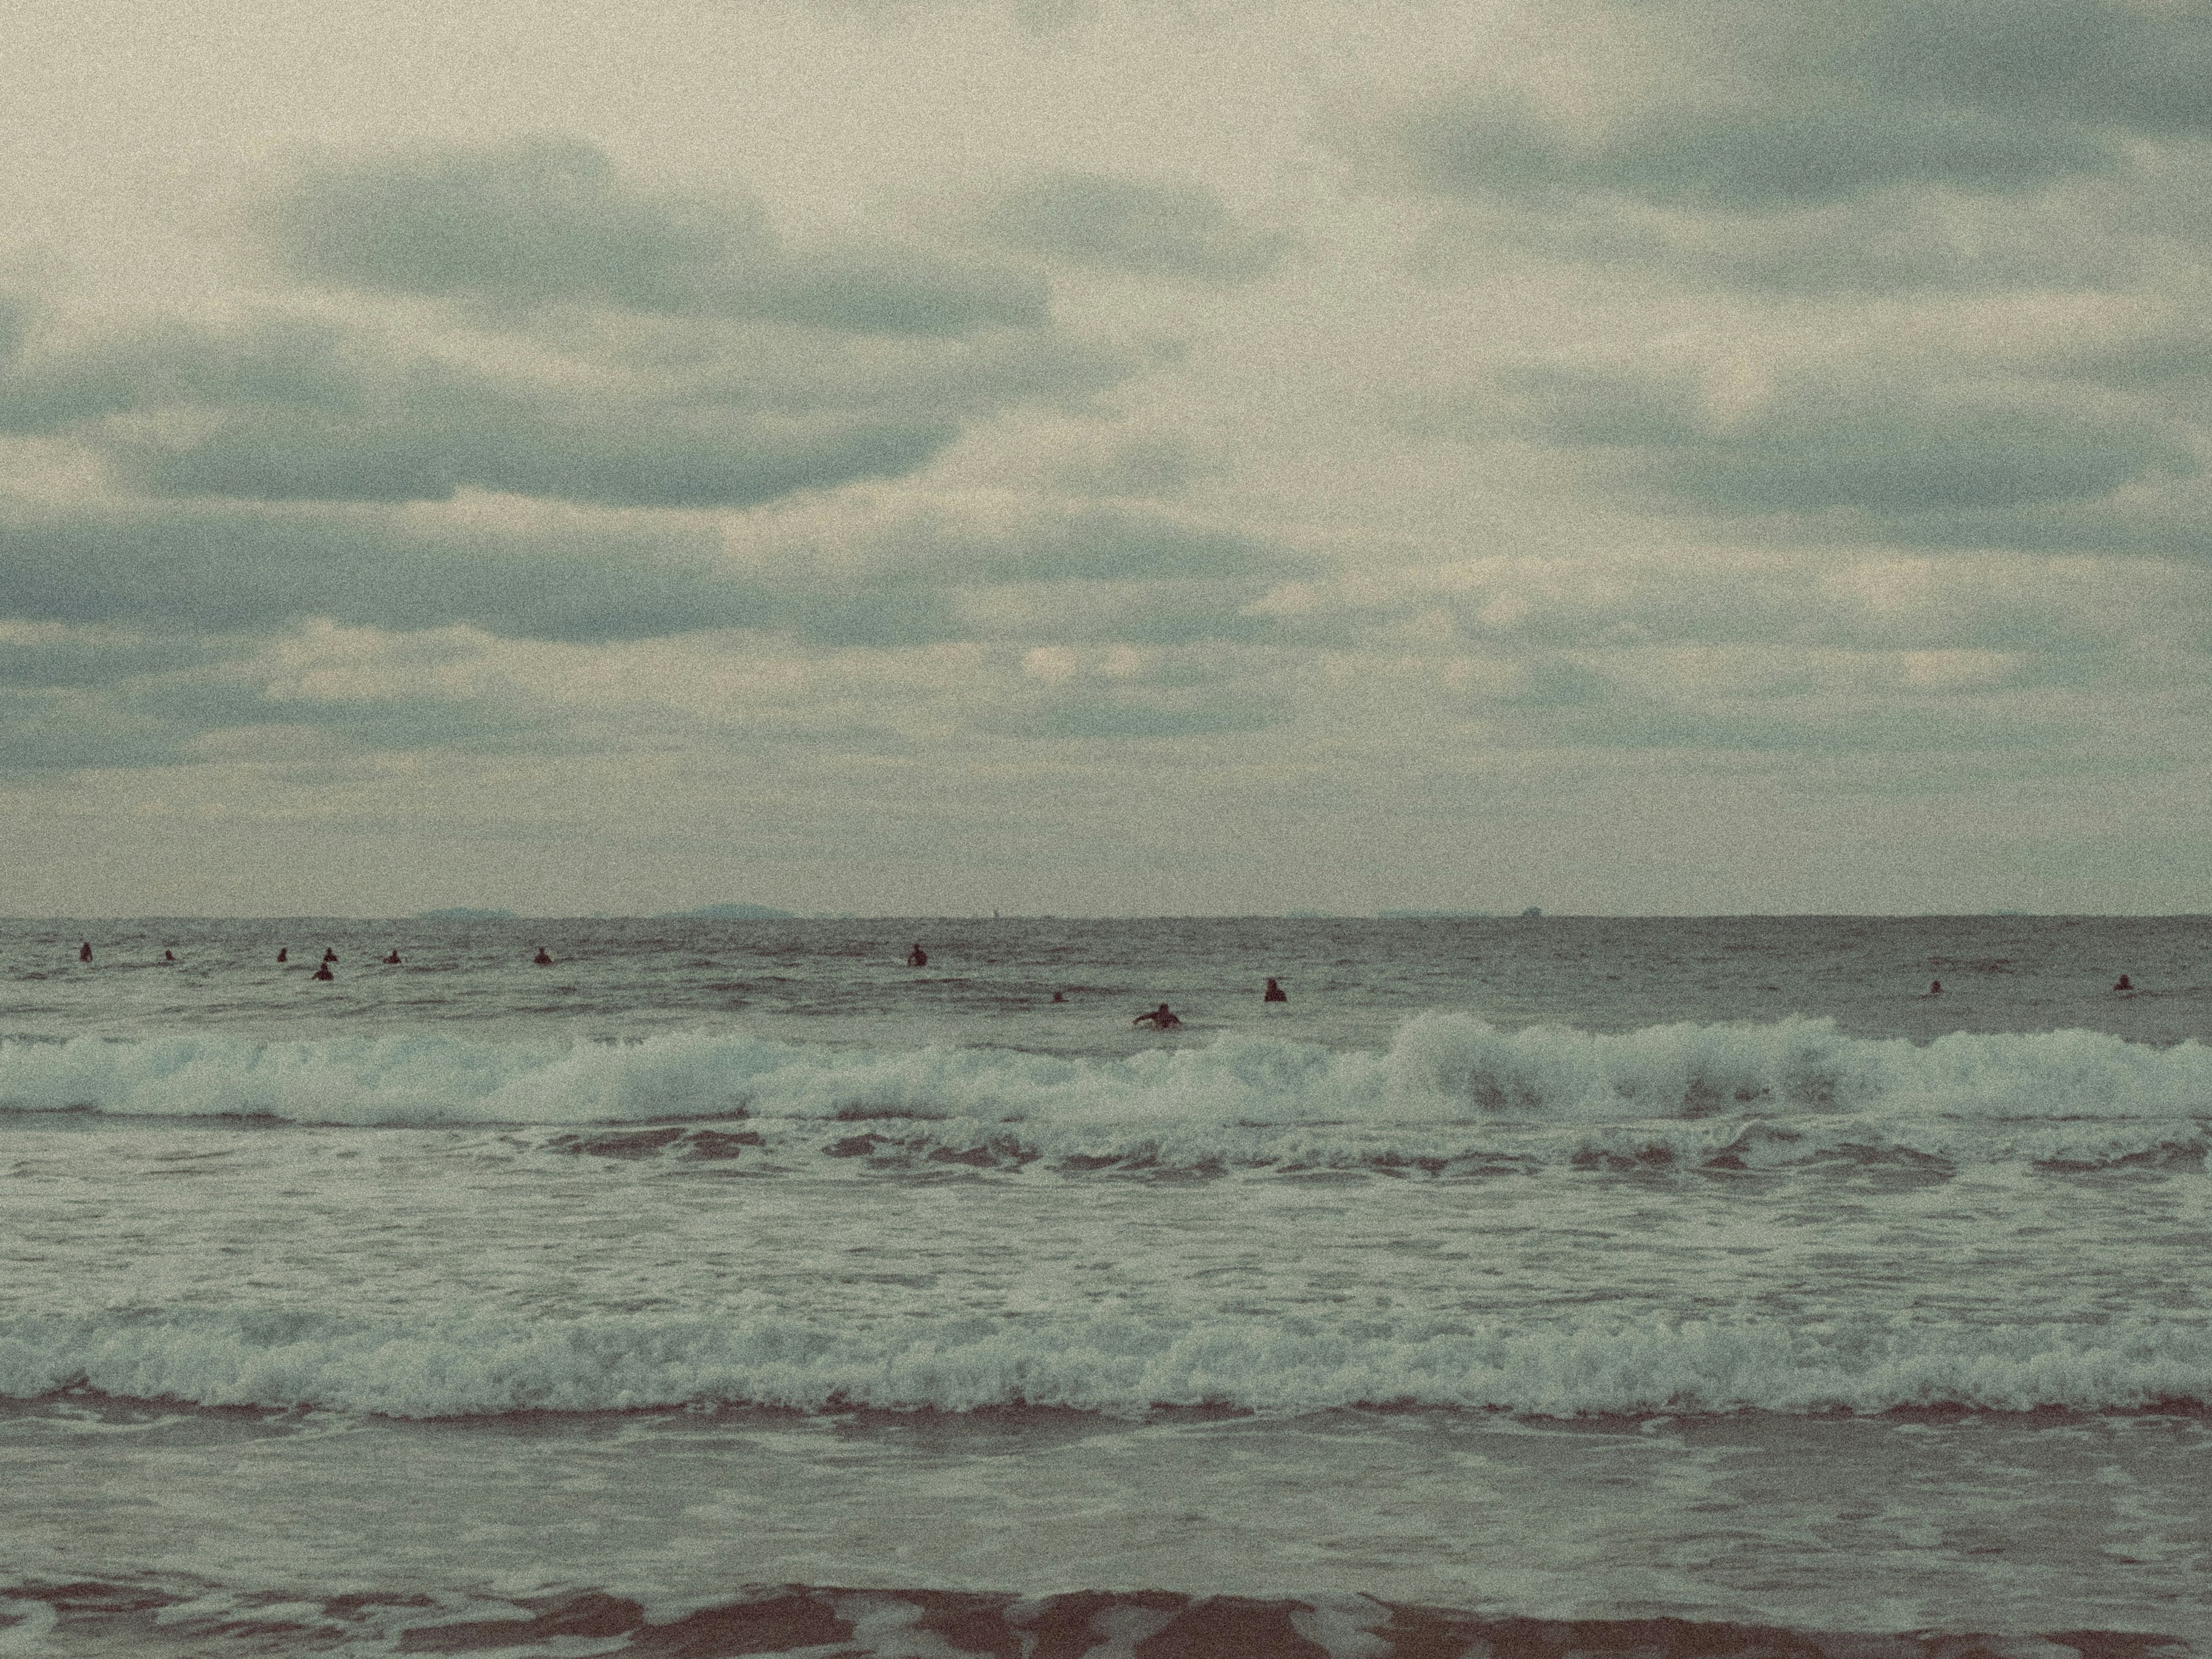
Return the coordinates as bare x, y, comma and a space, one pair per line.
1520, 1286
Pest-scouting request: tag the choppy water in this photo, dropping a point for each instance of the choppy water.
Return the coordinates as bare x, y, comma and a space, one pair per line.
1515, 1274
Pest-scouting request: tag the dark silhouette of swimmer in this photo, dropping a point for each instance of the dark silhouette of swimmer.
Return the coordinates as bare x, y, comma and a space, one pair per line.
1159, 1018
84, 951
1060, 996
917, 958
168, 956
329, 955
284, 953
1934, 988
324, 972
393, 960
542, 959
2125, 984
1274, 992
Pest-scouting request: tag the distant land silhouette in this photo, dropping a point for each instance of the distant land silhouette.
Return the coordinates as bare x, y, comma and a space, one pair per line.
1425, 915
729, 913
462, 912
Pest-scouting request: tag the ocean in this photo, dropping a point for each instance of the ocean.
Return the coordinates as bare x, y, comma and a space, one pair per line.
1541, 1287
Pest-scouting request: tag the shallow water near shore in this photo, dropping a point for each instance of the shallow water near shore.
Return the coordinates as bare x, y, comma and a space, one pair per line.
1536, 1270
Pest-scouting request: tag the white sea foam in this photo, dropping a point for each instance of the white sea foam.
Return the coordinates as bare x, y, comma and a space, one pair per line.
1451, 1096
458, 1367
1440, 1068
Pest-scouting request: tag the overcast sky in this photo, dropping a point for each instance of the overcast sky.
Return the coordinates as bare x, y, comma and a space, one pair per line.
1105, 456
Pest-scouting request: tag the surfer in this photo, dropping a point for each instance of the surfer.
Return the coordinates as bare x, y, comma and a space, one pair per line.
84, 951
917, 958
1060, 996
329, 955
284, 953
1934, 988
393, 960
542, 959
1159, 1019
322, 971
1274, 992
168, 956
2125, 984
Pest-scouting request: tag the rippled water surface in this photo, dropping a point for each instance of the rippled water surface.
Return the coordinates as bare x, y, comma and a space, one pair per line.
1538, 1269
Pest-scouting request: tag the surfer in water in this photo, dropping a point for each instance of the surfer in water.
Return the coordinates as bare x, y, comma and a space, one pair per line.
1934, 988
542, 959
2125, 984
1160, 1019
322, 971
168, 956
393, 960
1274, 992
284, 953
329, 955
917, 958
84, 951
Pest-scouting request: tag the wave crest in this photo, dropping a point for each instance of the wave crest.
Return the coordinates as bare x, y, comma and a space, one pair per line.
1442, 1069
416, 1367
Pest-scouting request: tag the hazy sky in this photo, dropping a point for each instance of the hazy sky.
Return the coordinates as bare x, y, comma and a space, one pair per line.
1132, 456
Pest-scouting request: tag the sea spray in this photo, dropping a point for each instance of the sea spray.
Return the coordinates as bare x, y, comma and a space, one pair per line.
1440, 1068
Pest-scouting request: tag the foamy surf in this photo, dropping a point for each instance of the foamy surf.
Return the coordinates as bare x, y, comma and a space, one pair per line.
1450, 1094
1587, 1364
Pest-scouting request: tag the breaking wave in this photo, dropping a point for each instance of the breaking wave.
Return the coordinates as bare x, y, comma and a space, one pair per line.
1451, 1092
456, 1366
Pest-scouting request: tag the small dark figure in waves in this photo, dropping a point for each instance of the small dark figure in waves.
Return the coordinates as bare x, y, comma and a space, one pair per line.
329, 955
322, 971
284, 953
917, 958
1934, 988
1060, 996
84, 951
393, 960
1160, 1019
2125, 984
542, 959
168, 956
1274, 992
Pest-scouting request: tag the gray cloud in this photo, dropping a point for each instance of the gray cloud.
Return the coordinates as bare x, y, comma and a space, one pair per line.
2052, 445
1753, 159
549, 221
54, 654
2104, 64
222, 568
1863, 146
2077, 236
61, 730
1914, 451
147, 719
1103, 544
1157, 464
1183, 233
281, 408
1789, 621
1771, 107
